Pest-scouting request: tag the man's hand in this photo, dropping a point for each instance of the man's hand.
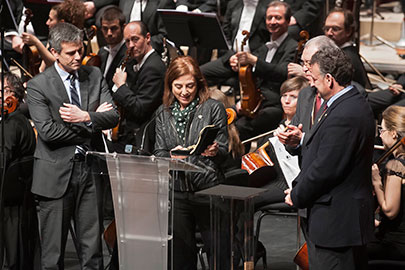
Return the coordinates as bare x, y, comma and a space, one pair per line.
246, 58
295, 70
287, 198
120, 77
17, 44
90, 9
233, 62
211, 151
72, 114
293, 21
290, 136
105, 107
396, 89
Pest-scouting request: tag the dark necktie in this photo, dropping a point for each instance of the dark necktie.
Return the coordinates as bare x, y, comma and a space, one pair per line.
73, 91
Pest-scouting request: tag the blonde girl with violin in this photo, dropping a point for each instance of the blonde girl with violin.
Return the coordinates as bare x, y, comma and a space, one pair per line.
389, 188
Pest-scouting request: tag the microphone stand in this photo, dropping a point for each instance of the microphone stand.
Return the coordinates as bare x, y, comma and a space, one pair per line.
2, 159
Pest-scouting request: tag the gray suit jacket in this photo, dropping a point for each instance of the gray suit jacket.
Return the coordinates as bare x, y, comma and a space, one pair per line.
57, 139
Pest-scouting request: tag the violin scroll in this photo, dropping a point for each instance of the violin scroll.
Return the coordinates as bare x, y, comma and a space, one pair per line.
10, 104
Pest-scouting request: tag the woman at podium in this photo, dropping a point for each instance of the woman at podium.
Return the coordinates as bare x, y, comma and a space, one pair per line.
186, 110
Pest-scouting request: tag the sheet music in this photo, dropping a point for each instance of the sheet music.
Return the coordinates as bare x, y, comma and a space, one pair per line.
288, 163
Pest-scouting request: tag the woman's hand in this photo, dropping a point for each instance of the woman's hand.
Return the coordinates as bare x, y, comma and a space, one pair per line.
178, 147
30, 39
376, 178
211, 151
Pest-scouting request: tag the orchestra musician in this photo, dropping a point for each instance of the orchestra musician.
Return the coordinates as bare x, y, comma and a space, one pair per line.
240, 15
335, 179
145, 11
339, 26
70, 104
19, 143
389, 188
112, 27
187, 109
70, 11
270, 67
138, 89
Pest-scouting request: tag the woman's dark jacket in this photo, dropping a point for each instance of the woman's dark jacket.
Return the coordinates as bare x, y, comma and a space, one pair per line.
211, 112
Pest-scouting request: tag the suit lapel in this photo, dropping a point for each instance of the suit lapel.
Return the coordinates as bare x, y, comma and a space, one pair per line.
258, 17
84, 87
235, 20
55, 79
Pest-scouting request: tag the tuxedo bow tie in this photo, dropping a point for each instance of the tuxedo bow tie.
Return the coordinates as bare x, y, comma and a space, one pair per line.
271, 44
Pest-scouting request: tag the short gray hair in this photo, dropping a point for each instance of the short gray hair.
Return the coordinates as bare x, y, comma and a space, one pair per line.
321, 42
64, 33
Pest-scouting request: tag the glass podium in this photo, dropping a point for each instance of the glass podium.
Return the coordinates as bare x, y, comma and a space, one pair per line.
140, 189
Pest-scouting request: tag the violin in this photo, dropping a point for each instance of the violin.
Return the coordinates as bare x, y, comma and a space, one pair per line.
391, 150
10, 104
251, 97
91, 58
31, 59
304, 36
116, 129
231, 115
259, 166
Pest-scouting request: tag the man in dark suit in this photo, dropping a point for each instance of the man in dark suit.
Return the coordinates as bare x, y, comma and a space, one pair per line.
219, 71
139, 88
112, 27
145, 11
269, 64
334, 183
70, 104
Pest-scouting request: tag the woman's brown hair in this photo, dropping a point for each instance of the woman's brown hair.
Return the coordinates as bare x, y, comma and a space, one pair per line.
394, 118
180, 66
71, 11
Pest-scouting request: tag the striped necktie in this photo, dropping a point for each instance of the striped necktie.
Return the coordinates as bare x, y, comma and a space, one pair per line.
73, 91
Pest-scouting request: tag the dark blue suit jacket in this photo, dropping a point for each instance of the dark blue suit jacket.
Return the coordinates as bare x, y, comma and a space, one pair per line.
335, 180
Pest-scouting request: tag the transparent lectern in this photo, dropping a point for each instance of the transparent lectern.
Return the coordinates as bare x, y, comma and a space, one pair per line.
140, 187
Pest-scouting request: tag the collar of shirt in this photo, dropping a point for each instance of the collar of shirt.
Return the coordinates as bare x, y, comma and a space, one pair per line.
137, 67
276, 43
115, 49
65, 79
339, 94
347, 44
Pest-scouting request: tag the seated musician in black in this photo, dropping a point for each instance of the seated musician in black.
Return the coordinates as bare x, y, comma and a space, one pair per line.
269, 64
389, 188
18, 221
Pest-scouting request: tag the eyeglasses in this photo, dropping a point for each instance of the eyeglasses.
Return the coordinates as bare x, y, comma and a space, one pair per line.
381, 130
306, 63
334, 29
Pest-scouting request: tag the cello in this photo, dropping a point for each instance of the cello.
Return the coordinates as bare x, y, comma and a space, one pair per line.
251, 97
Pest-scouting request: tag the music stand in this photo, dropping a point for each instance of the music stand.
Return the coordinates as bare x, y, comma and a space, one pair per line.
190, 29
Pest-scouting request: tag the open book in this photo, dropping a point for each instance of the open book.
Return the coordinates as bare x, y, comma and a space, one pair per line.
205, 138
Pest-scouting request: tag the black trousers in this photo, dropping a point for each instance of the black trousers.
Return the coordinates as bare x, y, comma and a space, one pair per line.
80, 203
342, 258
190, 212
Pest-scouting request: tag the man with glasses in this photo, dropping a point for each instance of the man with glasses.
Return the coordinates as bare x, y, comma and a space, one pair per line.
339, 26
334, 183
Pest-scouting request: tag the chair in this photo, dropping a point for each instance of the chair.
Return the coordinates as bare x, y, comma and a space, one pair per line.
276, 209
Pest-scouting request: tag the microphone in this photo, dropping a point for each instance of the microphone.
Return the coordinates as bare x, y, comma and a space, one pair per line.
141, 150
